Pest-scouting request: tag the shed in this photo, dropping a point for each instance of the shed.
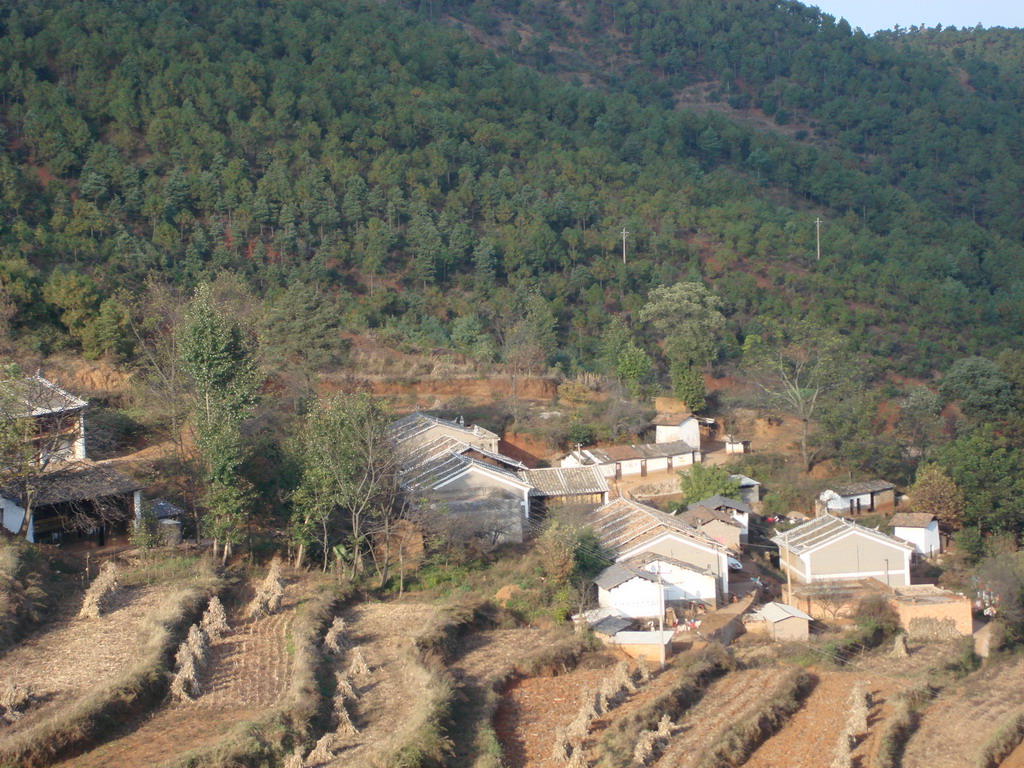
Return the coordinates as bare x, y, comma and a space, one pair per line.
750, 489
858, 498
784, 622
920, 529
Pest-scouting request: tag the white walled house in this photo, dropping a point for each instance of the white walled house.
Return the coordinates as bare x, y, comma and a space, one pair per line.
920, 529
630, 591
634, 530
830, 548
673, 427
617, 461
682, 582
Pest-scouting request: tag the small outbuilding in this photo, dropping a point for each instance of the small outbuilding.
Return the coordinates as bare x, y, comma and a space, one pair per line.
783, 622
862, 498
920, 529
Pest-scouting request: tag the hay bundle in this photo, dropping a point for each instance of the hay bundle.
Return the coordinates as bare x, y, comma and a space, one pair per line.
343, 689
100, 592
860, 704
215, 621
345, 725
197, 642
323, 752
357, 666
580, 726
577, 760
269, 593
643, 753
561, 751
14, 700
294, 760
624, 678
899, 647
185, 685
643, 670
664, 727
334, 640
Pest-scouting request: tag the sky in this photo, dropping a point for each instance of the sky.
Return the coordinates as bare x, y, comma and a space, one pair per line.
872, 15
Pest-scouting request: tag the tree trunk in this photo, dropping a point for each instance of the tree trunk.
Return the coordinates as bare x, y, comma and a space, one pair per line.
300, 555
803, 446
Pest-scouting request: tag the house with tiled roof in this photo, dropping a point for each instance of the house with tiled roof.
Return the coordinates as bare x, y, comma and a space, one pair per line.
716, 523
677, 426
567, 485
830, 548
630, 529
618, 461
419, 428
920, 529
739, 511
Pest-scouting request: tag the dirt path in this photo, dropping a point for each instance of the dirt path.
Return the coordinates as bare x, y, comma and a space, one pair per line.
386, 711
727, 701
247, 673
955, 728
72, 656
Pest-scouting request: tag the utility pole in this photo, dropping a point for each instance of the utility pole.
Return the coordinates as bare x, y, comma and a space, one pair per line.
817, 227
624, 233
661, 617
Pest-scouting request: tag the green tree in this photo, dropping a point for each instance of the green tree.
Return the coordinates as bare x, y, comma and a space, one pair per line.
689, 320
349, 480
688, 386
634, 368
935, 492
701, 481
221, 364
980, 387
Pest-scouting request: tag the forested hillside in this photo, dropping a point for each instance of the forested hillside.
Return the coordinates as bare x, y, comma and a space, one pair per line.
438, 181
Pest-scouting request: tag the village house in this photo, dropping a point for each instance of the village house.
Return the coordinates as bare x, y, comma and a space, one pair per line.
419, 429
780, 622
630, 530
676, 427
833, 549
857, 499
567, 485
716, 524
62, 496
750, 489
618, 461
445, 472
920, 529
738, 511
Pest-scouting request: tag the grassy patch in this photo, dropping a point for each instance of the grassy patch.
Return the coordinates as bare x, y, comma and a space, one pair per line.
1004, 741
900, 725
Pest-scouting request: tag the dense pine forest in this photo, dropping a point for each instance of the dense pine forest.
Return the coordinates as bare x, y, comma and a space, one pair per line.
422, 170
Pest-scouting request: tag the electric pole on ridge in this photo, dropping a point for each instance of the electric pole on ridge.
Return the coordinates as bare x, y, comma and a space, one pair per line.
817, 229
624, 233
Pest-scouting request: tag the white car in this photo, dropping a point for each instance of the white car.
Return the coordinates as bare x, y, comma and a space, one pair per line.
735, 565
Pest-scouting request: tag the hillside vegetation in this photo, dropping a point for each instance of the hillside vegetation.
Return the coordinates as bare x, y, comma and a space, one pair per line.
366, 167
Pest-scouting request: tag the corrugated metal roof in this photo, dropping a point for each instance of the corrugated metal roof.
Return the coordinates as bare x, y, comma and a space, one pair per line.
566, 481
826, 528
417, 423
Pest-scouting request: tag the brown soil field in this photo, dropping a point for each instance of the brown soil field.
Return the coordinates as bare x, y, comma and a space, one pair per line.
956, 727
532, 710
70, 656
247, 673
731, 699
386, 711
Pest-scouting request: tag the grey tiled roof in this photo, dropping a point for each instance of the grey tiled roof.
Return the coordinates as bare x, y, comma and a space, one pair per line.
417, 423
37, 396
721, 502
566, 481
622, 524
826, 528
617, 574
865, 486
74, 481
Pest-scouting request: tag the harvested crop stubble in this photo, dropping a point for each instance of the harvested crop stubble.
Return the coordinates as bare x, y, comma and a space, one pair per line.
357, 666
100, 593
